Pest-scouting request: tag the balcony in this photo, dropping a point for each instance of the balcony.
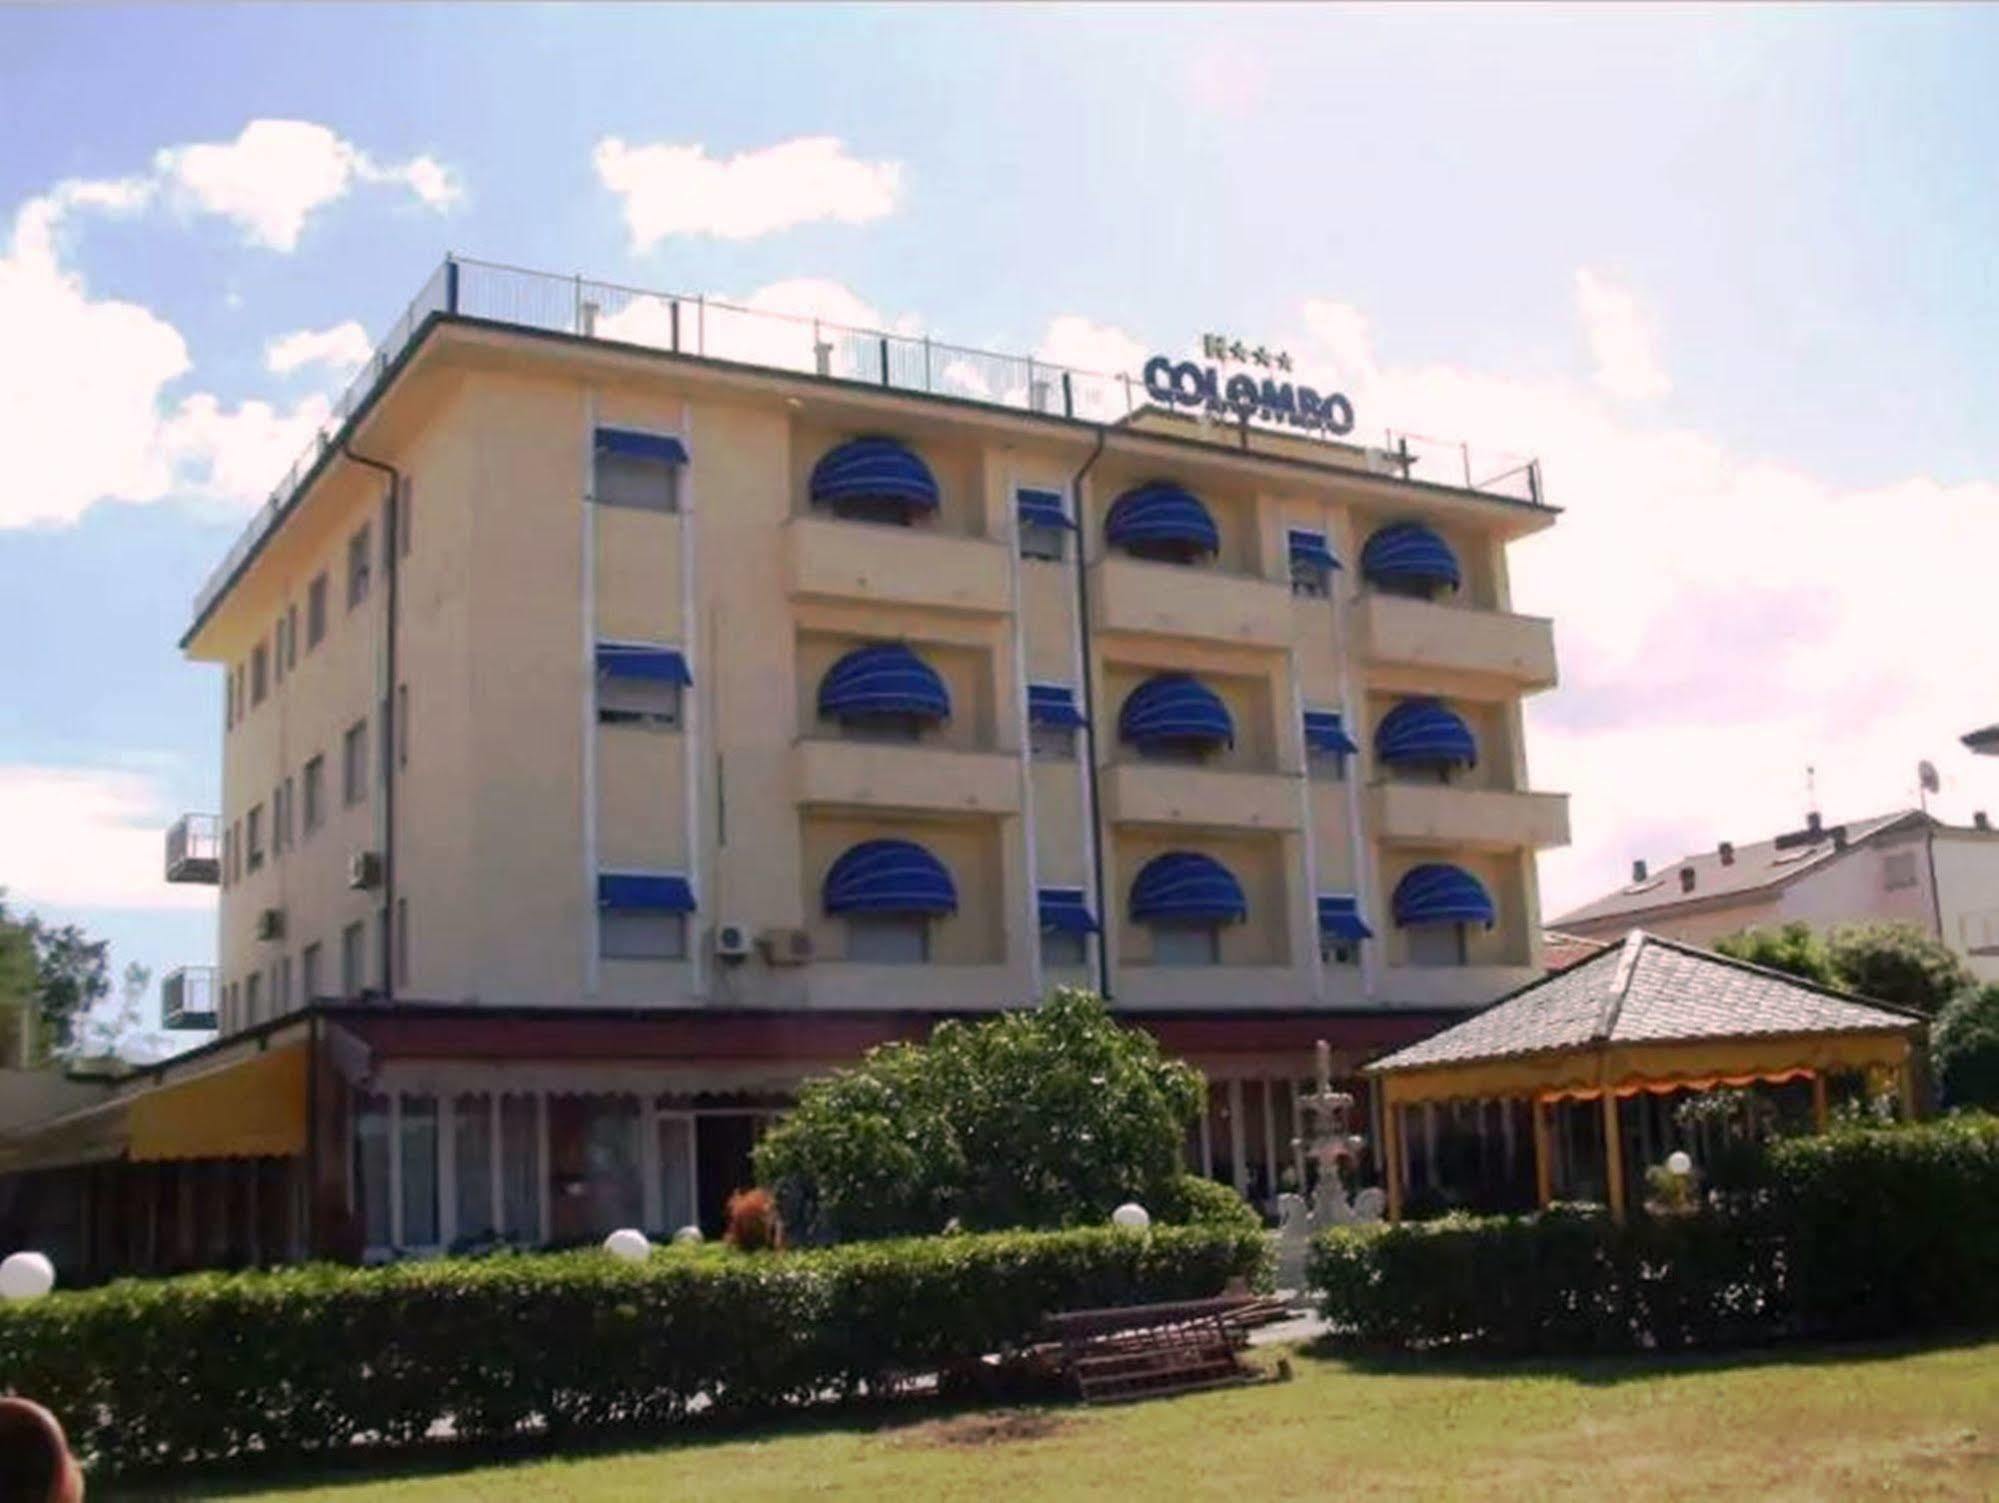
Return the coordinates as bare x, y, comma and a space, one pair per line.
187, 998
1418, 634
194, 850
888, 775
1133, 595
1480, 818
1166, 793
837, 560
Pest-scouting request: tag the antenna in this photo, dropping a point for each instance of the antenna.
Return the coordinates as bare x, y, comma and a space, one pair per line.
1811, 789
1927, 782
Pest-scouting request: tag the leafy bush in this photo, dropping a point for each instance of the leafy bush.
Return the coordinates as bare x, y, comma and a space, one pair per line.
1894, 963
1047, 1117
1966, 1049
1196, 1200
162, 1373
1857, 1233
1795, 948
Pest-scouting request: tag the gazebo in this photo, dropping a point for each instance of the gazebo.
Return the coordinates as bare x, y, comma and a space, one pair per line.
1650, 1015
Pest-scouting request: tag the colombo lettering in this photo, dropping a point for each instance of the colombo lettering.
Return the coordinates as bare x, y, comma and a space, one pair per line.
1188, 384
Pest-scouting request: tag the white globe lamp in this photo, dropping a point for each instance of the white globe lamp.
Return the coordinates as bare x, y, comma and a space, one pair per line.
1131, 1217
26, 1275
688, 1236
1678, 1162
628, 1245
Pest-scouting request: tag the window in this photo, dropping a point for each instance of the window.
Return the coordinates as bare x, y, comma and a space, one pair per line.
281, 823
1063, 947
371, 1170
291, 636
314, 813
1186, 749
520, 1168
1311, 579
1421, 772
228, 856
228, 701
1186, 944
278, 652
253, 998
315, 612
354, 764
676, 1171
1334, 950
402, 725
402, 941
242, 694
352, 942
236, 851
281, 997
308, 973
1051, 743
1898, 870
644, 481
1043, 540
472, 1143
641, 934
360, 566
637, 701
1325, 765
253, 837
897, 728
416, 1146
888, 938
1437, 944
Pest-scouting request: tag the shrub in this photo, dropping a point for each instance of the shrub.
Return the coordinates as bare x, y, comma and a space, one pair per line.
1046, 1117
753, 1222
162, 1373
1795, 948
1862, 1232
1195, 1200
1898, 964
1967, 1049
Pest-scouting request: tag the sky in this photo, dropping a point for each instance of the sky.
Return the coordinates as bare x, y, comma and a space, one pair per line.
1726, 272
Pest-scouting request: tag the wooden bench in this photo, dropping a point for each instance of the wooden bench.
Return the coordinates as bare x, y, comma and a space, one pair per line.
1139, 1351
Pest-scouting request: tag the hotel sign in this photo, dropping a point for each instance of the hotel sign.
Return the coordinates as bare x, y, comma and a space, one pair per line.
1189, 383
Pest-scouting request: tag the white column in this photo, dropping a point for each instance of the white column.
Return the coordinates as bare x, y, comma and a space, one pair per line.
591, 967
1238, 1138
1023, 911
1271, 1168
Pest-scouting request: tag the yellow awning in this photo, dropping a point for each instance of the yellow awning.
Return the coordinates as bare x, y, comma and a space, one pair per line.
255, 1108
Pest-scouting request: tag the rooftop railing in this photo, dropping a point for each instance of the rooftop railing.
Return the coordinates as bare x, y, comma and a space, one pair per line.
746, 334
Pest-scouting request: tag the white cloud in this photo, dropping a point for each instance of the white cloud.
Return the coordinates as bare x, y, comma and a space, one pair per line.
680, 190
86, 837
1622, 340
343, 348
276, 173
236, 455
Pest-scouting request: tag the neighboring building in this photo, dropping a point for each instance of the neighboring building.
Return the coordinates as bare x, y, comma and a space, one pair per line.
1560, 950
1907, 867
615, 736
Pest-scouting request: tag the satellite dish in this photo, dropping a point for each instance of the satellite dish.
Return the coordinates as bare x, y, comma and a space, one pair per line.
1926, 774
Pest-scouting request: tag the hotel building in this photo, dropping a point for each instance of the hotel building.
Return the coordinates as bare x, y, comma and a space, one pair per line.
634, 706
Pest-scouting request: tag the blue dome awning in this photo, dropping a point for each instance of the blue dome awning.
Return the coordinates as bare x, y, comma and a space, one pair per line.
1064, 909
1339, 916
889, 876
1439, 893
662, 447
638, 892
884, 679
1042, 509
1175, 707
1188, 887
874, 471
664, 665
1053, 704
1161, 513
1408, 553
1424, 733
1309, 547
1326, 731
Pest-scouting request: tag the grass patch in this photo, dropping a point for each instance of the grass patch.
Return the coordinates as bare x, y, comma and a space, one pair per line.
1799, 1423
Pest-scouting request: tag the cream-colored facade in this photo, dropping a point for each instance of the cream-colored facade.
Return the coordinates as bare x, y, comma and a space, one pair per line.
499, 798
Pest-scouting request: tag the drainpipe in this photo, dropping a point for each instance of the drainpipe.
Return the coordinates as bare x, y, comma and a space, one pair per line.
391, 558
1090, 720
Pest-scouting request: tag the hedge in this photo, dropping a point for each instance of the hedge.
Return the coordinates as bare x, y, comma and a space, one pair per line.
152, 1374
1861, 1233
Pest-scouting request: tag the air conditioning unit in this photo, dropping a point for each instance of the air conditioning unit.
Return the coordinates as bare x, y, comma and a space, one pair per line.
271, 924
787, 946
364, 870
732, 942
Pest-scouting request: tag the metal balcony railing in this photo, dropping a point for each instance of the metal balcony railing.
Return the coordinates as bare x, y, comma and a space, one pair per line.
194, 849
717, 330
188, 997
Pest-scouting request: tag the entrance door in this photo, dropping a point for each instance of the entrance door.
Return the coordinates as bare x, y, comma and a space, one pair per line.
722, 1144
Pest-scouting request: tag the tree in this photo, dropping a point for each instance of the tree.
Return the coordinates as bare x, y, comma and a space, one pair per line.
69, 973
1042, 1118
1966, 1049
1898, 964
1794, 948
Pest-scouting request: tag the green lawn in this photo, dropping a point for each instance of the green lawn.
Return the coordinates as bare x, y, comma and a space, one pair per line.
1832, 1423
